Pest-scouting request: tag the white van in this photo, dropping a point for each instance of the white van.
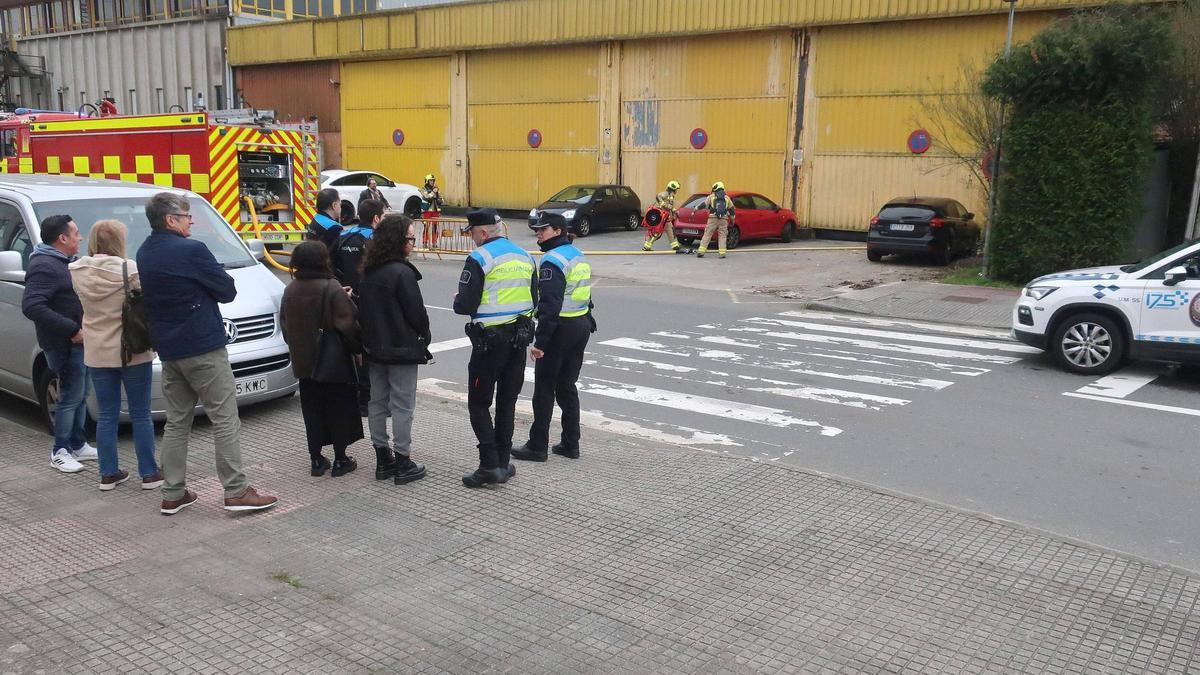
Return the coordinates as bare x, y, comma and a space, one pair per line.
259, 356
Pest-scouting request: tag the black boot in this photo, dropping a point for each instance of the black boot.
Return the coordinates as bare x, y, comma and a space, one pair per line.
319, 465
508, 473
385, 463
481, 477
341, 467
569, 454
529, 454
407, 470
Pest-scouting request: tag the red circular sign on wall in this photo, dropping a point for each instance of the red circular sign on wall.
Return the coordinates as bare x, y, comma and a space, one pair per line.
534, 138
919, 142
698, 138
398, 137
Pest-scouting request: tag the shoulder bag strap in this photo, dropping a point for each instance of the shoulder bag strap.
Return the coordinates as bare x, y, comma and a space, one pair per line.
125, 275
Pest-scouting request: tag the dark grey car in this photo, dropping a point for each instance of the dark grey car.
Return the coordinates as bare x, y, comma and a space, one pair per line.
938, 227
588, 207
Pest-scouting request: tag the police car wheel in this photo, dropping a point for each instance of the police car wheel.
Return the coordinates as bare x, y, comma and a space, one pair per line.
633, 222
1088, 344
584, 228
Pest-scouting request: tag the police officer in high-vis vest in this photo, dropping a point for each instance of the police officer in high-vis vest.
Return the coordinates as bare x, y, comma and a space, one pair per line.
498, 289
564, 323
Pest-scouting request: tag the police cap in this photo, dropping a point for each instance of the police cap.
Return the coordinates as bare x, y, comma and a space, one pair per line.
484, 216
549, 220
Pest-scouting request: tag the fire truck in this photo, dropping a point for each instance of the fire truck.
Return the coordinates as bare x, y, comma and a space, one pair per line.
274, 167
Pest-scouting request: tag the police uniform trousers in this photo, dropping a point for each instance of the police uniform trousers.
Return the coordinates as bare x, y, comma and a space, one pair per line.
496, 372
554, 379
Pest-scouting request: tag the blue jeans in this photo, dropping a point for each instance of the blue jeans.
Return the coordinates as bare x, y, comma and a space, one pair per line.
71, 413
107, 382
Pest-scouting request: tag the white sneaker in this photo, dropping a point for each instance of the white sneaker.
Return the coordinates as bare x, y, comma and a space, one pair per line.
64, 461
85, 454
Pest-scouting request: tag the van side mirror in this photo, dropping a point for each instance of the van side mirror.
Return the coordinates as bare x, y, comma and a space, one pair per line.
12, 267
1175, 275
257, 248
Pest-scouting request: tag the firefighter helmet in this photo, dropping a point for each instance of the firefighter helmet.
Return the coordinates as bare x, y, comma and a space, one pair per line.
718, 186
429, 177
673, 185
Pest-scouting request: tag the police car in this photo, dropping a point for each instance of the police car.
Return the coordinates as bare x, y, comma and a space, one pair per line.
1093, 319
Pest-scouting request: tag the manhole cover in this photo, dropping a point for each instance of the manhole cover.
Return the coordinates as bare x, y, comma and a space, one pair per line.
965, 298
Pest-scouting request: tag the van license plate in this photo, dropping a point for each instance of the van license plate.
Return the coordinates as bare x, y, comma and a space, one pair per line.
246, 387
902, 227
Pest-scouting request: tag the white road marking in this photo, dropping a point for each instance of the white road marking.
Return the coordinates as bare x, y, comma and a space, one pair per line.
678, 435
702, 405
856, 357
801, 367
789, 389
447, 345
1007, 346
1137, 404
1122, 384
902, 323
882, 346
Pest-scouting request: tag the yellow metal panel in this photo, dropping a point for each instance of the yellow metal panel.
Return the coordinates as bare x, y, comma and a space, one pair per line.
510, 76
349, 35
271, 43
648, 172
375, 33
402, 31
371, 111
521, 179
567, 126
724, 66
325, 38
732, 125
848, 190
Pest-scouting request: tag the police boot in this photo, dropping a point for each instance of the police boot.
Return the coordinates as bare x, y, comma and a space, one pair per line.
559, 450
529, 454
407, 470
385, 463
481, 477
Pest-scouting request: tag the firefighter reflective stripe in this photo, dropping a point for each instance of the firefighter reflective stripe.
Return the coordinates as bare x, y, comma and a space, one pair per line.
507, 279
578, 294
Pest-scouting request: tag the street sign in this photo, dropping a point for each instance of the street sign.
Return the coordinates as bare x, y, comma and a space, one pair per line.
919, 142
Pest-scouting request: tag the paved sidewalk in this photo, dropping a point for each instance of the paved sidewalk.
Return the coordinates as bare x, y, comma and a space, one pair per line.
636, 558
927, 301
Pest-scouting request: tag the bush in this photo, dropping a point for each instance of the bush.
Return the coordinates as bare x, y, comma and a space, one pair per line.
1079, 140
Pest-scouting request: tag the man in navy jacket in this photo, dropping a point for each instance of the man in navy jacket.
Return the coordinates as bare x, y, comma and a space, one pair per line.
183, 284
51, 304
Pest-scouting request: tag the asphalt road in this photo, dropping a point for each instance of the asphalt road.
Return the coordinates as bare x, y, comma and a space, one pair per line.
960, 416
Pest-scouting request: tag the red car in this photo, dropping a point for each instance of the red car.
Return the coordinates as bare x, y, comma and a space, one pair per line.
756, 217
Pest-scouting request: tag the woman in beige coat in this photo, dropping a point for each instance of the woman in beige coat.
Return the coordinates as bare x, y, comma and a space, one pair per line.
98, 278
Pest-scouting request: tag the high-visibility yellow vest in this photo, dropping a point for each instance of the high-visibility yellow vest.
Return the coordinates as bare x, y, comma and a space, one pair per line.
507, 279
574, 265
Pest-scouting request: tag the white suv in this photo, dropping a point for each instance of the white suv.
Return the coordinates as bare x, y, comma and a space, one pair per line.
1092, 319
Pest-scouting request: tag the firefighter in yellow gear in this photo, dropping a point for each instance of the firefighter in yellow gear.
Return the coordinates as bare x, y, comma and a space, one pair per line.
431, 195
665, 200
720, 214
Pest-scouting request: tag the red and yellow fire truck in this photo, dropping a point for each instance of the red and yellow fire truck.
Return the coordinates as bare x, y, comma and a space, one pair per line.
275, 167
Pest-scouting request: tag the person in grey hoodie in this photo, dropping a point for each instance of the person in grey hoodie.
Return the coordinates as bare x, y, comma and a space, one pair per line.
51, 304
99, 280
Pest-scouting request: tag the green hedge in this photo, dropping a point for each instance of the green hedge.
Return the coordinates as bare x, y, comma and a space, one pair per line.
1078, 143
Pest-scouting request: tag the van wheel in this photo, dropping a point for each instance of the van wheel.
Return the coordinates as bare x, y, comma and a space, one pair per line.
789, 233
1088, 344
46, 390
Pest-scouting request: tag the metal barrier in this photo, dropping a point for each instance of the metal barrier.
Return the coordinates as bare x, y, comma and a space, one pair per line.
437, 236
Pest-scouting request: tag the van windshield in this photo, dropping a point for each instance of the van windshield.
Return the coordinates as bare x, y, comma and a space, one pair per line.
208, 226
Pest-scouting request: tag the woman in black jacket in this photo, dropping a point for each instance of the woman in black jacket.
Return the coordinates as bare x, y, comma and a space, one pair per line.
315, 300
395, 330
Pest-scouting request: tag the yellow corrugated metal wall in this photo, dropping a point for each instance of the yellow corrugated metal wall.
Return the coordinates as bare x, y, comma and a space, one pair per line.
868, 83
510, 93
412, 95
737, 88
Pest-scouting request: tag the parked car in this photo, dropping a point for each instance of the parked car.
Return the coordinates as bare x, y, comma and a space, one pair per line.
756, 217
936, 226
1092, 319
587, 207
350, 184
259, 356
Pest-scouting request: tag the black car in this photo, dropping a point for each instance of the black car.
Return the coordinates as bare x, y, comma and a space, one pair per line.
587, 207
935, 226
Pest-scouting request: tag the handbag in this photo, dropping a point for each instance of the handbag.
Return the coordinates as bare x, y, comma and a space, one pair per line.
332, 363
135, 330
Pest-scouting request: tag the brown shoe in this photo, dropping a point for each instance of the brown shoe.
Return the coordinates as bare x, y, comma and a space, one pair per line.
172, 506
250, 501
152, 481
110, 482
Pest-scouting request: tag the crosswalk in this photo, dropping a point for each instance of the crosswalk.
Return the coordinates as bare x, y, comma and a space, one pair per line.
767, 384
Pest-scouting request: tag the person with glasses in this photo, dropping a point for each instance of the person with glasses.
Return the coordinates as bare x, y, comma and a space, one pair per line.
396, 337
183, 284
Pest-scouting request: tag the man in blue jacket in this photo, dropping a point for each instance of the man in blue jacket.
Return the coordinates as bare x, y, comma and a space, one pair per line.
51, 303
183, 283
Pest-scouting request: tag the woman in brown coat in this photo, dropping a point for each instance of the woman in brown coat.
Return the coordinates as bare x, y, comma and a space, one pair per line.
330, 410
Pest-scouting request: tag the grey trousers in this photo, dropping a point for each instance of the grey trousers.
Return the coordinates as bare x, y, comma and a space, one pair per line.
206, 379
393, 394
